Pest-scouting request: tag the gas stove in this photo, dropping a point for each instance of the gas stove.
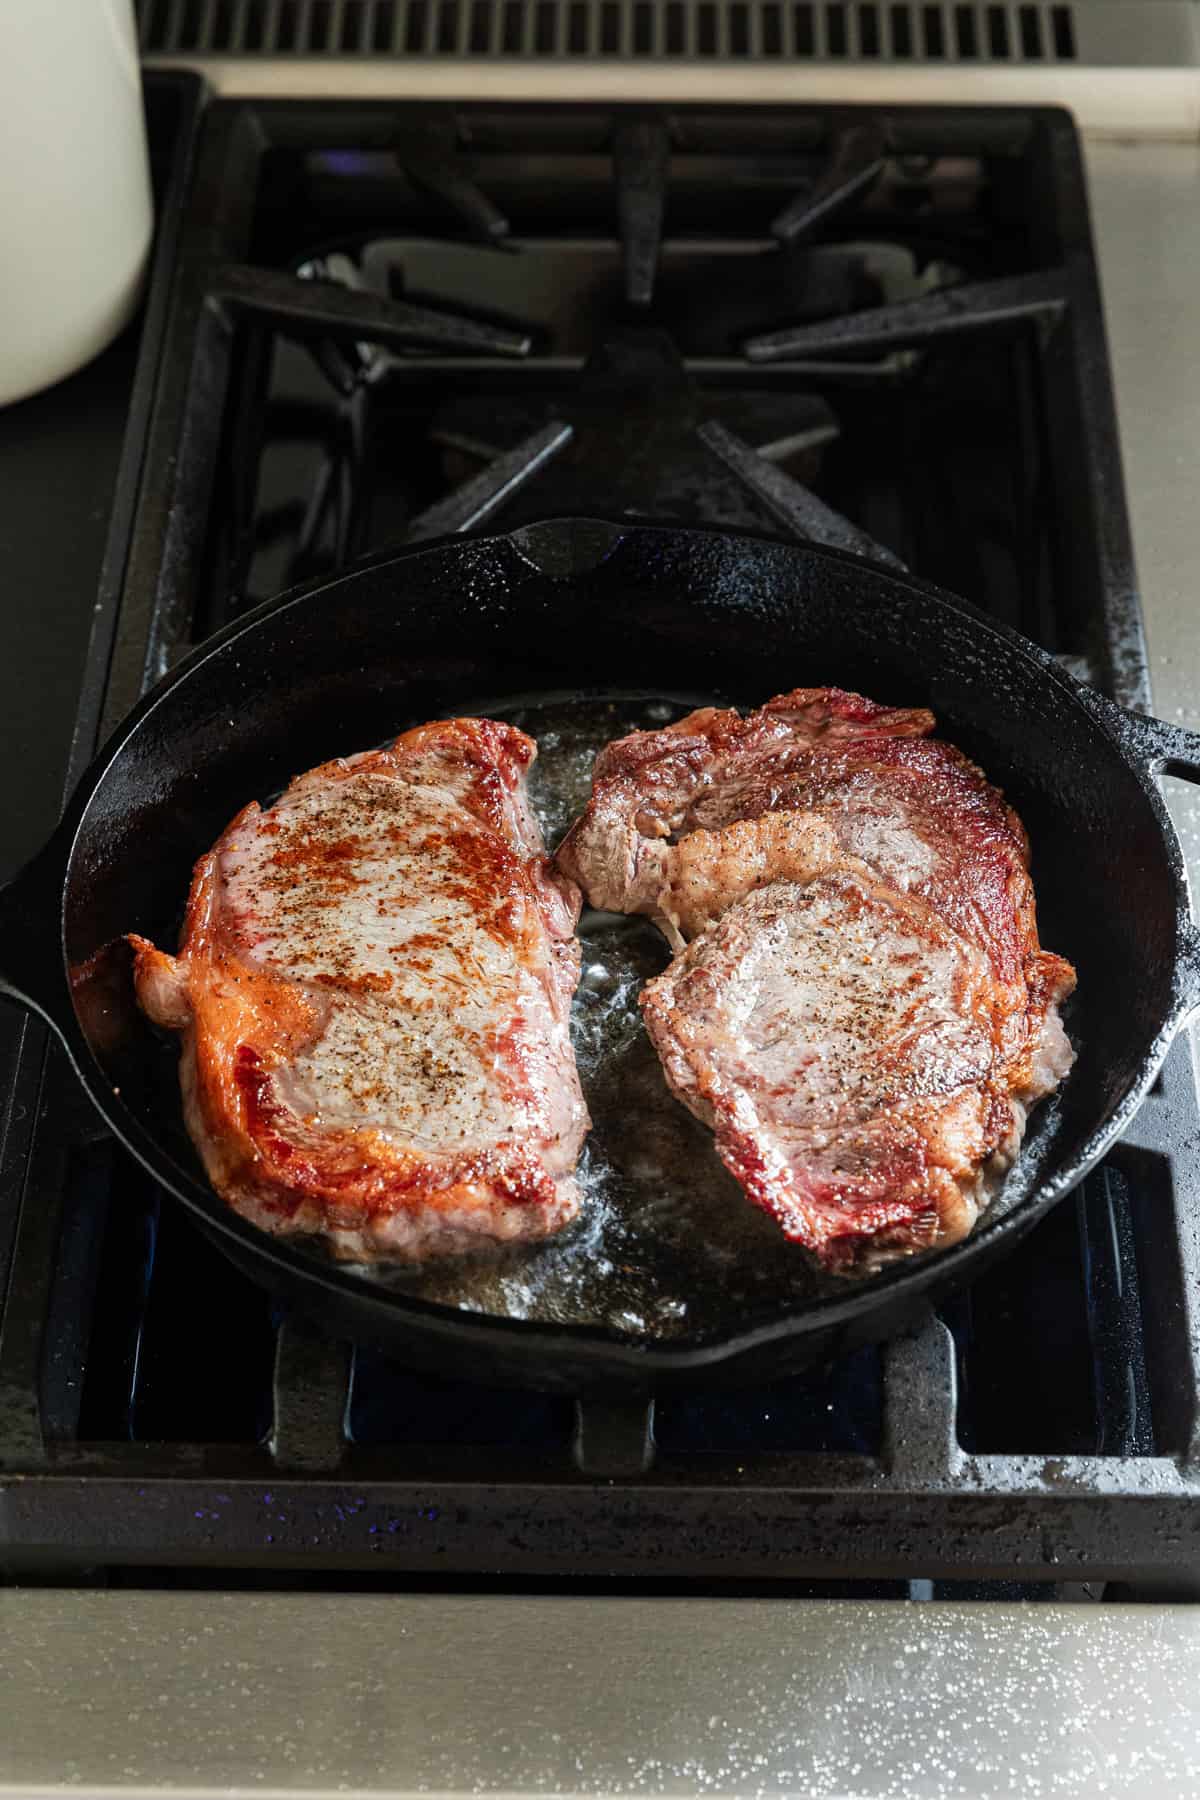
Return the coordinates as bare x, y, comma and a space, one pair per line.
372, 323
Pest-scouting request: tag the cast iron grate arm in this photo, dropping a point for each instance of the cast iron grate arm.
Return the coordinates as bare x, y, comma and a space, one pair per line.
307, 308
1040, 298
311, 1392
641, 158
475, 501
794, 505
426, 153
856, 163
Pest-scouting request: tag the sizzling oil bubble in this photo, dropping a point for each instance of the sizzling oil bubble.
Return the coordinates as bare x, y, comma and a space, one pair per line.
666, 1242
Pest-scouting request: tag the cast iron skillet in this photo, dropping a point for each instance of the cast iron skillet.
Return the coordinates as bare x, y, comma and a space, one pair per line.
581, 605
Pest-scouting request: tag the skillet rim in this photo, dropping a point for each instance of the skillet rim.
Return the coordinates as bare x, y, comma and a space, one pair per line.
603, 1347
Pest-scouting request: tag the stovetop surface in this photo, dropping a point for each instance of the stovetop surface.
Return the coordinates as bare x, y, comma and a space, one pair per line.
383, 319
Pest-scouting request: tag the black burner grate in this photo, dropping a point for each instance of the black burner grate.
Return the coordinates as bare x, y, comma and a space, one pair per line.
882, 331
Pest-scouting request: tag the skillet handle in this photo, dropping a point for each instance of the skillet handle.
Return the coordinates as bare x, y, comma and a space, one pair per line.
1160, 748
32, 970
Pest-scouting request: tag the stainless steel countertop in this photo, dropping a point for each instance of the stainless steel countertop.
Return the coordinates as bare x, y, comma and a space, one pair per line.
270, 1694
190, 1693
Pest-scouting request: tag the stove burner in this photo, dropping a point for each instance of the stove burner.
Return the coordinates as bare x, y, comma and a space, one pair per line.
881, 331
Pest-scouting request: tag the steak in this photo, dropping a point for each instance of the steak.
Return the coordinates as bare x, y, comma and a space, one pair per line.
863, 1012
654, 788
373, 990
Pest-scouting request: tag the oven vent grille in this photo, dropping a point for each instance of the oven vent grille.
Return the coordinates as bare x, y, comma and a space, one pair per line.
757, 31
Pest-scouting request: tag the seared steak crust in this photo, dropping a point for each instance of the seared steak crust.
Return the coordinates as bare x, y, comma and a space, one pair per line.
864, 1013
373, 990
